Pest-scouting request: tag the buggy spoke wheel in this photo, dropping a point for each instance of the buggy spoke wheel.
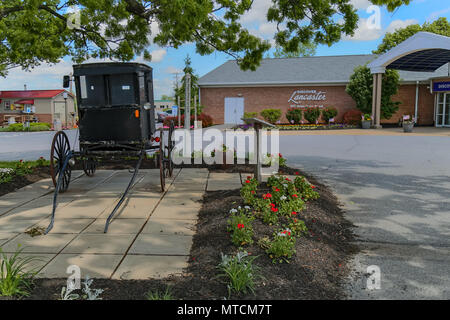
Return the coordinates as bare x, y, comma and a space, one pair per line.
89, 166
170, 146
59, 152
162, 174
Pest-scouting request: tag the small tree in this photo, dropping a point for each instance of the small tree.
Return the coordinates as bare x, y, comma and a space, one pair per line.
271, 115
294, 115
360, 89
312, 114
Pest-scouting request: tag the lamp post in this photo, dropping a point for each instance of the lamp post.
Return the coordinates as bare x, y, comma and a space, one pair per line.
65, 96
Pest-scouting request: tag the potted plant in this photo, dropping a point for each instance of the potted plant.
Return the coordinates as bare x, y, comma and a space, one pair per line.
366, 121
408, 124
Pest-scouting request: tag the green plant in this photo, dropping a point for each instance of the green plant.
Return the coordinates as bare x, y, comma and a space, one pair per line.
281, 248
250, 115
87, 293
240, 272
240, 226
306, 189
367, 117
360, 88
6, 175
16, 278
329, 113
298, 226
271, 115
157, 295
249, 189
269, 215
312, 114
294, 115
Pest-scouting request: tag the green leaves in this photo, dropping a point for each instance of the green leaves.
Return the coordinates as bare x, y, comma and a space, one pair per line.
391, 40
36, 31
360, 89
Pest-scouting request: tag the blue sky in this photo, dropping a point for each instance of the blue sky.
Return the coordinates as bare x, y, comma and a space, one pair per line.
167, 61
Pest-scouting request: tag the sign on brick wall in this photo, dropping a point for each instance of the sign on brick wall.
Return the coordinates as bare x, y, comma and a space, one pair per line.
307, 98
441, 86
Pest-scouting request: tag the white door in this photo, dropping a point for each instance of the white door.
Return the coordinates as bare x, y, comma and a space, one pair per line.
234, 110
443, 110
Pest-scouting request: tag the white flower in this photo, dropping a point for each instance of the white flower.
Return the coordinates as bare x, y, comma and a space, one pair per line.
282, 234
233, 211
247, 208
283, 198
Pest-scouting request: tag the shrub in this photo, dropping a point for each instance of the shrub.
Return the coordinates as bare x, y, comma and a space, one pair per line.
240, 272
157, 295
39, 128
206, 120
282, 247
306, 189
298, 227
15, 280
271, 115
240, 226
248, 190
312, 114
329, 113
353, 117
294, 115
250, 115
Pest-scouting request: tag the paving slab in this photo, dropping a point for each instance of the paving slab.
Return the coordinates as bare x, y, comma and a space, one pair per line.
70, 226
50, 243
100, 243
224, 181
6, 236
117, 226
134, 207
85, 208
168, 210
136, 267
92, 265
23, 213
170, 227
10, 224
37, 260
157, 244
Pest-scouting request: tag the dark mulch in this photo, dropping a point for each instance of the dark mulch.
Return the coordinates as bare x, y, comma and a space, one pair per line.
18, 182
317, 271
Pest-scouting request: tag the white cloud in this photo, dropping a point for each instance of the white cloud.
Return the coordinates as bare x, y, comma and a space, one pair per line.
433, 16
361, 4
158, 55
172, 69
258, 12
399, 24
365, 32
163, 86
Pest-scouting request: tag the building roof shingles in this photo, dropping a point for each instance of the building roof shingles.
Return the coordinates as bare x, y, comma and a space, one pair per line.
30, 94
305, 70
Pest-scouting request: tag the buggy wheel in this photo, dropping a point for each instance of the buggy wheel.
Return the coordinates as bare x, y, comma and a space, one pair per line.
89, 166
162, 173
58, 155
170, 146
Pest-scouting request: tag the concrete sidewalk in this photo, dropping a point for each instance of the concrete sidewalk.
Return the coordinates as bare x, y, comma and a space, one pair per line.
150, 237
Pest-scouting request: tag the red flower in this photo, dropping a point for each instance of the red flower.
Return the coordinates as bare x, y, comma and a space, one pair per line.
240, 226
277, 190
313, 187
297, 173
287, 232
249, 178
247, 181
253, 192
272, 205
287, 179
295, 196
274, 209
294, 213
267, 196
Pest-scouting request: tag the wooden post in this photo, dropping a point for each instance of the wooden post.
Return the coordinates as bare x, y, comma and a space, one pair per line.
258, 170
378, 102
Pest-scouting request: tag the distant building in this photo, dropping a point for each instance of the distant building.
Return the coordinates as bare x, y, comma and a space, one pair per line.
164, 104
38, 106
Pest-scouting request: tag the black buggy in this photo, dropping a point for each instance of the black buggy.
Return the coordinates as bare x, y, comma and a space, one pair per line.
116, 120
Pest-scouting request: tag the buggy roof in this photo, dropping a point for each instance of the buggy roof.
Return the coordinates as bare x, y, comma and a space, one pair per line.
109, 68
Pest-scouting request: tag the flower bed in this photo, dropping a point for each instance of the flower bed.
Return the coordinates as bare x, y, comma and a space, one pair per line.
288, 127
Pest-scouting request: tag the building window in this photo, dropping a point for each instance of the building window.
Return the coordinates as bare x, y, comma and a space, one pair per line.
7, 105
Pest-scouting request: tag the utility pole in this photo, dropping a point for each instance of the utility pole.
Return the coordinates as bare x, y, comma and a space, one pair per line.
187, 102
195, 112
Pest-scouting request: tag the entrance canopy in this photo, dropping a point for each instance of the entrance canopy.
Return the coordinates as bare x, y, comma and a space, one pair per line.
423, 52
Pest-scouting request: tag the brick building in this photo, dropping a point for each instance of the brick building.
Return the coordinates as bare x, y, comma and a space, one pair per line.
227, 92
37, 106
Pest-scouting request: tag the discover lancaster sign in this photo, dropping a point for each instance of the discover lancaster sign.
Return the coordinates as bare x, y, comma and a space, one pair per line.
302, 96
